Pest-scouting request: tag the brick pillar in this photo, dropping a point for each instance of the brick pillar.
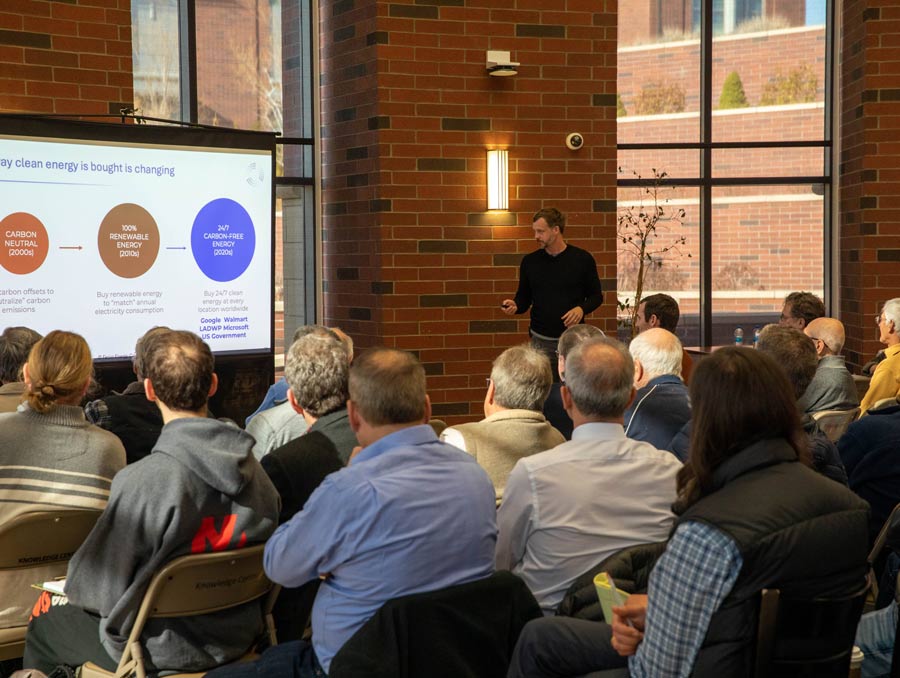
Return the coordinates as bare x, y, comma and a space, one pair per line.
870, 180
58, 57
412, 259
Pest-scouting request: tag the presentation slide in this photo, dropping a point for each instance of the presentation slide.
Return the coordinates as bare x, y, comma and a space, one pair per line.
108, 239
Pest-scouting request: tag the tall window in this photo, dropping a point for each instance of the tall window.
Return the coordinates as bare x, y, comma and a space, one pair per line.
730, 99
156, 58
225, 63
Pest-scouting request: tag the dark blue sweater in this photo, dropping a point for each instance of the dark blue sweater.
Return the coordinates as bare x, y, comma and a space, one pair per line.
659, 411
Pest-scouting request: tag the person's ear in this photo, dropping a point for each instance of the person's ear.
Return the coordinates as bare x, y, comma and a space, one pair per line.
214, 385
25, 376
292, 399
638, 371
353, 417
631, 397
489, 397
427, 409
148, 391
566, 396
653, 320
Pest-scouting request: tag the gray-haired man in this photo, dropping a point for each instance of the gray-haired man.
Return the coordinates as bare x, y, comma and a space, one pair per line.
514, 426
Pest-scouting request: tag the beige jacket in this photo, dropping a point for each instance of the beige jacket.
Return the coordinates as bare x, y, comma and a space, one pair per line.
500, 440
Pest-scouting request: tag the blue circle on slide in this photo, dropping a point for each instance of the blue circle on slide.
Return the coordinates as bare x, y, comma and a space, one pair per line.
223, 239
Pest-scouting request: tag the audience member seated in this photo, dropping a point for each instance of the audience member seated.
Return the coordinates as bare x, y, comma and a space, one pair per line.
869, 452
514, 426
277, 393
50, 457
279, 424
564, 510
199, 490
800, 309
877, 630
134, 419
751, 515
661, 310
316, 369
886, 376
832, 388
553, 407
661, 406
15, 344
794, 352
409, 514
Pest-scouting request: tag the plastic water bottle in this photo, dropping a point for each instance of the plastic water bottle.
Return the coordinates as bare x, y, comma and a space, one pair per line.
755, 337
739, 336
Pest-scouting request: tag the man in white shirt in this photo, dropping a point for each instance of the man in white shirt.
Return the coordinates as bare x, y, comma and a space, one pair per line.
567, 509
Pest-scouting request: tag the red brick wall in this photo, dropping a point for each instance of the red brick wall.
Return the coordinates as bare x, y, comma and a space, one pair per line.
756, 60
869, 161
61, 57
411, 257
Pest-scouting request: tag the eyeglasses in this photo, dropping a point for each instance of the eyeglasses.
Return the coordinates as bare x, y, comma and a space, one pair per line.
487, 382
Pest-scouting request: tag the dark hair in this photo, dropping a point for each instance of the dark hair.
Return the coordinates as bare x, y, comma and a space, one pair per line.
140, 350
15, 345
793, 351
805, 305
387, 386
59, 367
553, 217
738, 397
663, 307
180, 366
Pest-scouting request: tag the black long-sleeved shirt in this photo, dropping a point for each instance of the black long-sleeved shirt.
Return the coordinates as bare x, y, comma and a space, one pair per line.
553, 285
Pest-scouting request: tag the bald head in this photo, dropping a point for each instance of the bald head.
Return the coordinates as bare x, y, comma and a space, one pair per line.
656, 352
827, 334
599, 379
387, 387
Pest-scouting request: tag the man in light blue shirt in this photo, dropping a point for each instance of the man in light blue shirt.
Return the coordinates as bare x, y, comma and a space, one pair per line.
409, 514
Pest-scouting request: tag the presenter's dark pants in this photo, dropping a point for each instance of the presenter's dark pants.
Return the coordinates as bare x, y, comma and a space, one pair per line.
564, 647
548, 348
64, 634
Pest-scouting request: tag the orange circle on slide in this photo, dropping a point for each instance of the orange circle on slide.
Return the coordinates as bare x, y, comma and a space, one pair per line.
128, 240
23, 243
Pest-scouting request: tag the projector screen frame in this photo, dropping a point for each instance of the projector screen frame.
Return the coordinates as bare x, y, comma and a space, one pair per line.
236, 366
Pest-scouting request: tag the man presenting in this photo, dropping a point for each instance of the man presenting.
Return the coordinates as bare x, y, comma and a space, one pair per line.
559, 282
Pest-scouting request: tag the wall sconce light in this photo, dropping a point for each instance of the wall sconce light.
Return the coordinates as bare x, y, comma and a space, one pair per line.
498, 180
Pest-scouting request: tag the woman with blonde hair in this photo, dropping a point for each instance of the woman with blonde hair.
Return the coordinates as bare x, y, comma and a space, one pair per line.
51, 458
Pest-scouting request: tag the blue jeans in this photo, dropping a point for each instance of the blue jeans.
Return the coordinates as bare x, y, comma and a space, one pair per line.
562, 647
288, 660
875, 637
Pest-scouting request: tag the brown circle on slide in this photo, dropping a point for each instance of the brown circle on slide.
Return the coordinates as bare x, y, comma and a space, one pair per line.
128, 240
23, 243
